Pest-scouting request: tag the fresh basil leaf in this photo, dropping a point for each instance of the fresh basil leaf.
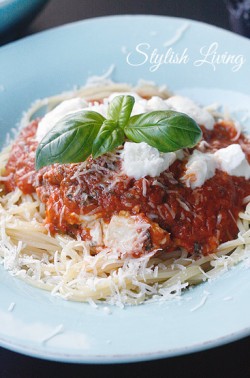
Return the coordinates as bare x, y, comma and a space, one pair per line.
165, 130
120, 109
70, 140
109, 137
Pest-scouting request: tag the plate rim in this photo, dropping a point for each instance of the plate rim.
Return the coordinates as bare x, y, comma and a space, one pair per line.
99, 359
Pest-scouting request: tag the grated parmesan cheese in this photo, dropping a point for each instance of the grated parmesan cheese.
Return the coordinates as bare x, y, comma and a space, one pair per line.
11, 307
202, 302
59, 329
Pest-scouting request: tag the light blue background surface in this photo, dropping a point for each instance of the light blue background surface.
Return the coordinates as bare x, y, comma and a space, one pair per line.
55, 61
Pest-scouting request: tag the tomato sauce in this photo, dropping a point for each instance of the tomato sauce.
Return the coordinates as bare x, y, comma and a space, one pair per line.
20, 166
195, 219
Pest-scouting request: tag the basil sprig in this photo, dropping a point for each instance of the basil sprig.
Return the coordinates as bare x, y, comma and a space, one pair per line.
78, 135
120, 109
165, 130
109, 137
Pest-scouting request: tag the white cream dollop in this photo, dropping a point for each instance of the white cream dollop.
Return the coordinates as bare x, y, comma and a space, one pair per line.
141, 105
201, 166
187, 106
75, 104
55, 115
140, 160
156, 103
233, 161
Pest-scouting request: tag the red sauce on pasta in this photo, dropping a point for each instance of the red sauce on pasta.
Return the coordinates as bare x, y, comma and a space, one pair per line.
197, 220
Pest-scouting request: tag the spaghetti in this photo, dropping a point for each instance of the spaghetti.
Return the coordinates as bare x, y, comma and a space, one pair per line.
80, 256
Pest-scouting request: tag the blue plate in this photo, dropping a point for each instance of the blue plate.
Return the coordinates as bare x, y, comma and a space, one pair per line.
59, 59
